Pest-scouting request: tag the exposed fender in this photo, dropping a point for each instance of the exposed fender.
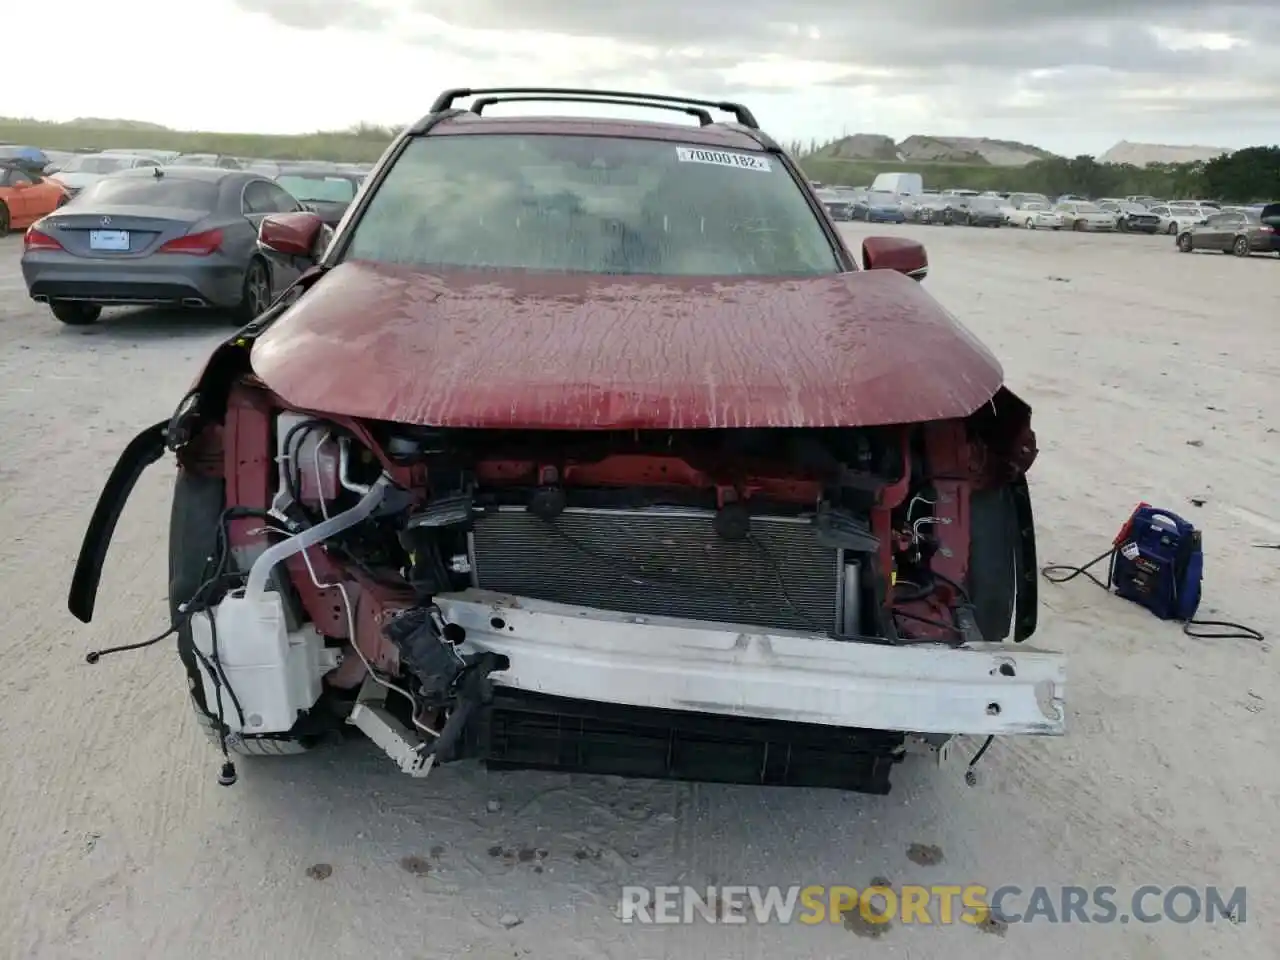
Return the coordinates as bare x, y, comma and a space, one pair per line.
230, 360
143, 450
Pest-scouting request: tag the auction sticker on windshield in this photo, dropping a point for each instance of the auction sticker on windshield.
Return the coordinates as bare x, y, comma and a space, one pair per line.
743, 161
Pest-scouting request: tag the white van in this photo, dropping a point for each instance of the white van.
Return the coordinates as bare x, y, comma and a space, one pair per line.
899, 183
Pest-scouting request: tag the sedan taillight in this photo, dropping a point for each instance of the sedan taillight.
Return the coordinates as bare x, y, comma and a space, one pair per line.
195, 244
35, 239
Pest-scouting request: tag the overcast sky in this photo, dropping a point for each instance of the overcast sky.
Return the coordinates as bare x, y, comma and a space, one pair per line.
1069, 75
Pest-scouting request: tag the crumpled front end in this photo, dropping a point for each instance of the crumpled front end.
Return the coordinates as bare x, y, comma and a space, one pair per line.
782, 605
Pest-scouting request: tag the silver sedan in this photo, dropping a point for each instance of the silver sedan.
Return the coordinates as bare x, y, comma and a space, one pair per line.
169, 236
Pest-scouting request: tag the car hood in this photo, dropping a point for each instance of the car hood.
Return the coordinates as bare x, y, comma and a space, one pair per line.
503, 349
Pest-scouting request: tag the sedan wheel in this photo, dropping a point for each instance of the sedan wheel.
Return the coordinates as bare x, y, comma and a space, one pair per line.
75, 313
1173, 229
1031, 224
1184, 243
1241, 248
256, 295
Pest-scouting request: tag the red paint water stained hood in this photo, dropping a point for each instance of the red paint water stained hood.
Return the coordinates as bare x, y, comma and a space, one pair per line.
502, 349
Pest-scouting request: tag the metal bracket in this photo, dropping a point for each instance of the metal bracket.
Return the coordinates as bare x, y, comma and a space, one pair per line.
371, 717
934, 747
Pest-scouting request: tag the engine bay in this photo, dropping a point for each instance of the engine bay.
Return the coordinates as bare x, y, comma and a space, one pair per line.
344, 540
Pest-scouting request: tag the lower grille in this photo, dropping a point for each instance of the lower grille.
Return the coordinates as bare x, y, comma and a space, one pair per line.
663, 562
524, 731
533, 731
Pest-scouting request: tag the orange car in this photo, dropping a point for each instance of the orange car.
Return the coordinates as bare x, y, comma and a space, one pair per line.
25, 197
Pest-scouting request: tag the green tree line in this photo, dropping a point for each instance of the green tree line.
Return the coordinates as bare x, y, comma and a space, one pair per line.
1246, 176
1251, 175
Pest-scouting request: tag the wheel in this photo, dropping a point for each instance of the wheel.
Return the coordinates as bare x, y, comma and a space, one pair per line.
4, 218
1031, 223
1122, 225
1185, 243
994, 551
1078, 226
193, 539
76, 313
1173, 229
1241, 247
255, 294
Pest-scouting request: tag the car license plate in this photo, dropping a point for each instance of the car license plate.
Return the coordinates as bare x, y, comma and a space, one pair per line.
108, 239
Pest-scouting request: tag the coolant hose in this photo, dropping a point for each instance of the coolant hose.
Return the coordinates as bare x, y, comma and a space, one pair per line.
262, 567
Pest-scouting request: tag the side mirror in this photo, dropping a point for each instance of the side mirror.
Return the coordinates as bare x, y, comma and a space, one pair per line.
292, 235
894, 253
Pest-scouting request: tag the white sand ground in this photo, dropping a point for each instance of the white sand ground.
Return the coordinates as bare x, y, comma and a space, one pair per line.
115, 841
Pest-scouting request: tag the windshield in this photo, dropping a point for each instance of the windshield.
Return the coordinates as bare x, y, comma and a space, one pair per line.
587, 204
1088, 208
151, 192
318, 189
195, 160
82, 164
1035, 206
983, 203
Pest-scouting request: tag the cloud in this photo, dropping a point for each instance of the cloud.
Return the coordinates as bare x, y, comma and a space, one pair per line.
1184, 70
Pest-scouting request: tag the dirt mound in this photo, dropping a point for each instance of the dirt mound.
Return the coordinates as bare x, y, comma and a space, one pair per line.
1145, 154
922, 149
976, 150
863, 146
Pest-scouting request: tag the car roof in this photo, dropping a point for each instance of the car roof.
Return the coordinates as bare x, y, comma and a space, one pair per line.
179, 172
319, 173
713, 135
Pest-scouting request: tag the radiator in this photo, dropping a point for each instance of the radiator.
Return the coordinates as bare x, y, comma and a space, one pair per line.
663, 562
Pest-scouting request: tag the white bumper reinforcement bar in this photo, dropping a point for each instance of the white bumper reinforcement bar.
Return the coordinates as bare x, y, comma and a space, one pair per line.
733, 670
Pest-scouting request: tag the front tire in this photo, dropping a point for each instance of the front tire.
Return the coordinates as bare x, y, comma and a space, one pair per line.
1185, 243
1241, 247
4, 218
75, 313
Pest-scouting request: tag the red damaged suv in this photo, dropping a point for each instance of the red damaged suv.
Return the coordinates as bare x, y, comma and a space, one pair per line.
588, 444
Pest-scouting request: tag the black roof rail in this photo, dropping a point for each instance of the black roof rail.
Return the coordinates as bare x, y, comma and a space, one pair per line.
742, 114
703, 117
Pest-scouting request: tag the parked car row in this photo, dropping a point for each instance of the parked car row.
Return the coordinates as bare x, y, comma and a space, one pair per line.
1031, 211
32, 185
